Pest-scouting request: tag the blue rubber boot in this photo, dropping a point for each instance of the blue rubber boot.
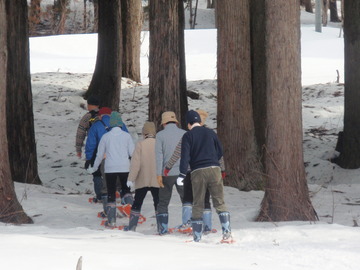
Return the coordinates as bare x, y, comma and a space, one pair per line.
111, 215
225, 225
186, 214
207, 216
97, 186
133, 221
162, 223
127, 199
197, 228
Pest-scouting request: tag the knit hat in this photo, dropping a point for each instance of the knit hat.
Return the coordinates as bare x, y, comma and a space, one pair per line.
149, 128
203, 115
192, 117
92, 100
167, 117
104, 110
115, 120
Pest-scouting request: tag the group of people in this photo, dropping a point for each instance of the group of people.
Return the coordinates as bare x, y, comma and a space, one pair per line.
189, 160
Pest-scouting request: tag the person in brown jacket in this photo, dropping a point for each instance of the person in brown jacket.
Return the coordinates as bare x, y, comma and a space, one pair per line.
142, 175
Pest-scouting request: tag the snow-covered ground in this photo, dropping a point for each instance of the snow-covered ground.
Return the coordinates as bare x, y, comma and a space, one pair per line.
66, 226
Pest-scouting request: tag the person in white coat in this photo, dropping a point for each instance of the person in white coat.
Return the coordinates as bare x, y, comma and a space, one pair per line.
117, 146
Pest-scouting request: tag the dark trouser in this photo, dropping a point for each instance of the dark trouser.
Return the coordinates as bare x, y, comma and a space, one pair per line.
207, 178
188, 193
111, 185
166, 192
140, 194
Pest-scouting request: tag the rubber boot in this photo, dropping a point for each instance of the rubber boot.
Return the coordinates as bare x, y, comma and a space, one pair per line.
111, 215
225, 225
133, 221
207, 216
127, 199
97, 186
162, 221
186, 214
197, 228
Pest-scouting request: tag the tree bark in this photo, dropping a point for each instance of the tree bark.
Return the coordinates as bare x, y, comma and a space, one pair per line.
106, 80
10, 208
307, 4
131, 15
167, 78
20, 117
334, 16
235, 111
286, 193
350, 156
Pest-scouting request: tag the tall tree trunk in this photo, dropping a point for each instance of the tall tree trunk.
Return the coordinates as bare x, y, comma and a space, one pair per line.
131, 15
34, 16
235, 112
167, 78
334, 16
106, 80
350, 155
307, 4
10, 208
20, 117
286, 194
325, 9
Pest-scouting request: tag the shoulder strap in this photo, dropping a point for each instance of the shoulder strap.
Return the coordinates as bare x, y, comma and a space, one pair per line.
106, 127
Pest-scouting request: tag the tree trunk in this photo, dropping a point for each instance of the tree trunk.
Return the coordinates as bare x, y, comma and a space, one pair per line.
286, 193
307, 4
235, 96
210, 4
325, 9
34, 16
334, 16
131, 15
106, 80
10, 208
167, 78
20, 117
350, 156
60, 14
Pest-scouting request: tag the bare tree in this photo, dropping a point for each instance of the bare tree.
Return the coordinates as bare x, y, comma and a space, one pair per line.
106, 80
131, 15
350, 155
167, 78
235, 111
277, 35
10, 208
20, 117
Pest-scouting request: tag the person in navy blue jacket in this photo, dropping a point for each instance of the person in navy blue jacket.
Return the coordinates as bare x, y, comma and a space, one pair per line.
202, 150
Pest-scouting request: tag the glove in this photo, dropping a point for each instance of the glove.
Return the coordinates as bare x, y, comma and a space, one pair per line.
179, 181
130, 184
160, 181
91, 170
223, 175
87, 164
166, 171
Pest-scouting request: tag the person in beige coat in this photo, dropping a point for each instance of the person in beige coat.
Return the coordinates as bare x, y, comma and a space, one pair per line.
142, 175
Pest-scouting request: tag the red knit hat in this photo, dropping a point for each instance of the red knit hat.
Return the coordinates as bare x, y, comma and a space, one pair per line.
104, 110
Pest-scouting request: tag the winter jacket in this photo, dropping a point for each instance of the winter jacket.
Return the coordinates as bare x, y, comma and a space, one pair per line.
166, 141
118, 147
200, 148
143, 164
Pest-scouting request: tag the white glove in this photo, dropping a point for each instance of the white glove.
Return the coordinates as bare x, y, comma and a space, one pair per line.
179, 181
91, 170
130, 184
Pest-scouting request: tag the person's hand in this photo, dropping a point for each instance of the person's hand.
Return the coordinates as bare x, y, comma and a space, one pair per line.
90, 170
130, 184
180, 181
87, 164
160, 181
78, 154
223, 175
166, 171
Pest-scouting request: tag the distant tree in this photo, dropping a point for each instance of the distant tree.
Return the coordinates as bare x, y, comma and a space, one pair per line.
325, 9
210, 3
106, 80
235, 111
60, 13
131, 15
307, 4
10, 208
334, 16
276, 32
20, 117
34, 16
167, 78
350, 155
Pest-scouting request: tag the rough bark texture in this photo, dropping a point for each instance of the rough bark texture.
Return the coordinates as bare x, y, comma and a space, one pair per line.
20, 118
167, 78
286, 194
106, 80
10, 208
131, 15
235, 112
350, 156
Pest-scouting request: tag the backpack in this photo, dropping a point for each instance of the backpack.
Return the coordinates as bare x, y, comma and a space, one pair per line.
93, 118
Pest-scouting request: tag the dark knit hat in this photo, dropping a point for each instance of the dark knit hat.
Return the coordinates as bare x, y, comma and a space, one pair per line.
93, 100
192, 117
104, 110
115, 120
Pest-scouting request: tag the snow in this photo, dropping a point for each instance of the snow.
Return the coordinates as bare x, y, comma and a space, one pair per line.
66, 226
